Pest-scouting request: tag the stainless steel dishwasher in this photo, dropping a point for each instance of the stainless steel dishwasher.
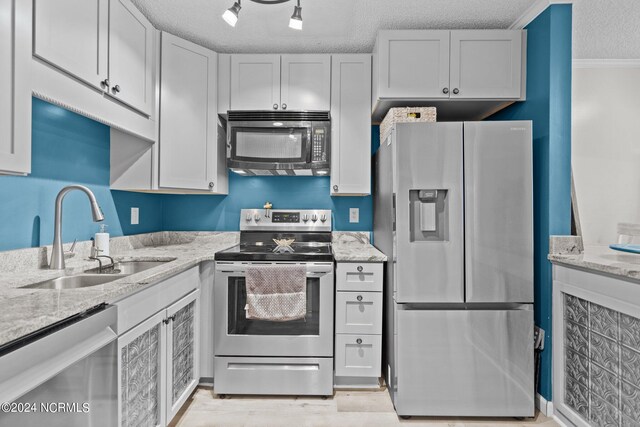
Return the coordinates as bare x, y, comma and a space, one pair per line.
62, 375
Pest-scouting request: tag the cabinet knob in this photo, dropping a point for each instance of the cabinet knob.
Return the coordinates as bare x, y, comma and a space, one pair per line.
359, 269
116, 89
445, 90
359, 297
211, 185
275, 106
456, 91
335, 188
284, 106
359, 341
104, 84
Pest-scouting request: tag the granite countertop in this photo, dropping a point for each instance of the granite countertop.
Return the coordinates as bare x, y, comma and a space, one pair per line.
569, 251
26, 310
355, 247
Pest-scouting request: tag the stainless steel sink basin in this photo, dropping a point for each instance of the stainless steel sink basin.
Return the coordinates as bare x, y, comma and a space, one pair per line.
76, 281
127, 267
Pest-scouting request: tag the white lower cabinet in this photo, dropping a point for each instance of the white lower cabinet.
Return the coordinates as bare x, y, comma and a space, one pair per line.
158, 363
358, 346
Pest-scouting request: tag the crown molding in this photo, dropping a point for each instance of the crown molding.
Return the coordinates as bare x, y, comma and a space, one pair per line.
533, 11
606, 63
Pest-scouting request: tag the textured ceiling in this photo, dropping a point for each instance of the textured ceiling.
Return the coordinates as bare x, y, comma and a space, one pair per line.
329, 25
606, 29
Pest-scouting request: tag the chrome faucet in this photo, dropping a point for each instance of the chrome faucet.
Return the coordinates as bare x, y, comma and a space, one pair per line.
57, 254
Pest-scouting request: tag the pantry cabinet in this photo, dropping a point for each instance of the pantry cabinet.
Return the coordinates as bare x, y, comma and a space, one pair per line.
483, 70
350, 125
280, 82
191, 158
158, 364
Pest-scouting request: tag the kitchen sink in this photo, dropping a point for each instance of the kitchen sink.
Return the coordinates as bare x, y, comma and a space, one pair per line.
127, 267
76, 281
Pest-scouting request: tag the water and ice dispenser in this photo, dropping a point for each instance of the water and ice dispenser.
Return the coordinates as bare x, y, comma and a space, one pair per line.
429, 210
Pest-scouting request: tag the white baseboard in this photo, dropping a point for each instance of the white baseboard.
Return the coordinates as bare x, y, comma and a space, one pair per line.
544, 406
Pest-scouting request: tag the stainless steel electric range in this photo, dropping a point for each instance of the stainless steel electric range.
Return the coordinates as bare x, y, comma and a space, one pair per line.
270, 357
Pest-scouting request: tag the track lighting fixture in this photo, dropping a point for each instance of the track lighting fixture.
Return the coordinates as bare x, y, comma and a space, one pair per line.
231, 15
296, 19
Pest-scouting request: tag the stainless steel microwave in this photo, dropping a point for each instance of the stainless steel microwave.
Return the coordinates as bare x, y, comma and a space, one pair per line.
279, 143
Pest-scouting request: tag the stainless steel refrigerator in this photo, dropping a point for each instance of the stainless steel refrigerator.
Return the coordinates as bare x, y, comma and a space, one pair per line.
454, 214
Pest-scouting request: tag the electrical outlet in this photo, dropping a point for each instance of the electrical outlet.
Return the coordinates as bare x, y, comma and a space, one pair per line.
354, 215
135, 216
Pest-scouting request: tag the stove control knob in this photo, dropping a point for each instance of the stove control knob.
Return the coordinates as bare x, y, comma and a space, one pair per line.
257, 217
314, 217
305, 217
323, 217
248, 218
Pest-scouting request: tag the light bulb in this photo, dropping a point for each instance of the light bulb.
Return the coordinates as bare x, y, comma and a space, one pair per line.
296, 19
231, 15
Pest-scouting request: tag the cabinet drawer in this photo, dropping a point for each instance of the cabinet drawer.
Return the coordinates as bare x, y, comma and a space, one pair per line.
358, 355
359, 312
359, 277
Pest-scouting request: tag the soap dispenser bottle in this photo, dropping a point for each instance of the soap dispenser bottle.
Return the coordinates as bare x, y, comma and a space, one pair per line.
102, 240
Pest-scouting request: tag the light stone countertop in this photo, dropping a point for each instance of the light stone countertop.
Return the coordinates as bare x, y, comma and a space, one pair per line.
569, 251
355, 247
23, 311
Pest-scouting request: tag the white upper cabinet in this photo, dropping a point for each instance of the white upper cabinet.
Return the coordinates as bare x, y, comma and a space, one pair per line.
305, 82
190, 156
131, 56
275, 82
486, 64
351, 125
72, 35
255, 82
413, 64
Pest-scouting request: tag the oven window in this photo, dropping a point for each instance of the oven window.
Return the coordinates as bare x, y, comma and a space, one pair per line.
238, 324
266, 143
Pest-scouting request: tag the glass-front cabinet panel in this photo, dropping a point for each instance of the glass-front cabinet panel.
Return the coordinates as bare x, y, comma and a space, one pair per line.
238, 324
140, 371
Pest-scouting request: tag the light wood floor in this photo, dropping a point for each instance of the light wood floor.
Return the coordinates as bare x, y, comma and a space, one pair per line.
346, 408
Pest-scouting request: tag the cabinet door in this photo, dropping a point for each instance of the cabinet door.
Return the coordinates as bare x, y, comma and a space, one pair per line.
183, 346
306, 82
130, 56
351, 125
72, 35
413, 64
140, 367
255, 82
486, 64
188, 119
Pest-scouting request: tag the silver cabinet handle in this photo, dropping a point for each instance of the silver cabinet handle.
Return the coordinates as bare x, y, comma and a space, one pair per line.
284, 106
275, 106
335, 188
445, 90
116, 89
456, 91
359, 297
105, 84
359, 341
211, 185
359, 269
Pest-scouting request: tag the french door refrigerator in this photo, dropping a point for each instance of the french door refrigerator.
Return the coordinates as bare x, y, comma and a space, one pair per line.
454, 214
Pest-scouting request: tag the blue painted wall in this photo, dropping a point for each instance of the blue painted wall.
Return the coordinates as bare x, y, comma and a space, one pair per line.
66, 149
548, 104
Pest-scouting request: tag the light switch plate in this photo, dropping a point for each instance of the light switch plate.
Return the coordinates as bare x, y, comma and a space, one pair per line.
354, 215
135, 216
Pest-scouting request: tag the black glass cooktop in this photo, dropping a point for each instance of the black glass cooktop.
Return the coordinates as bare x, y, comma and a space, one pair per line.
261, 247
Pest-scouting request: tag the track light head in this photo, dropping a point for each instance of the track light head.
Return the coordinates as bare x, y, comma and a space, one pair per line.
231, 15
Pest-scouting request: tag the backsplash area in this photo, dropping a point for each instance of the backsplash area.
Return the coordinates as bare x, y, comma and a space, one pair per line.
70, 149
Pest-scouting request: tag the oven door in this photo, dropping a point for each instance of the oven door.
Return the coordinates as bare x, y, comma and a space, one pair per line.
235, 335
267, 145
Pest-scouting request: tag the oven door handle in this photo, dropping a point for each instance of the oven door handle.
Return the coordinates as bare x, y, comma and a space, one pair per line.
312, 270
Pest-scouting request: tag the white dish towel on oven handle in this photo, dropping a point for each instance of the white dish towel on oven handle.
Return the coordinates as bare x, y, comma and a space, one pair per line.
276, 292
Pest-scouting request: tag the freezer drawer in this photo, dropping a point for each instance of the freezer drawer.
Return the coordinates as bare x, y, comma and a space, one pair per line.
465, 363
359, 277
358, 355
274, 375
359, 312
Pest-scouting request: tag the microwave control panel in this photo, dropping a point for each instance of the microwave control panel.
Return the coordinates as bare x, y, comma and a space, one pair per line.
319, 153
